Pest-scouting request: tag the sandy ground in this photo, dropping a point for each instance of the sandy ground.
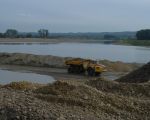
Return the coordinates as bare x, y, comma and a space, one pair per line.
59, 74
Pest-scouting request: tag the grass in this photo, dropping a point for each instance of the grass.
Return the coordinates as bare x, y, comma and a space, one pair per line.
134, 42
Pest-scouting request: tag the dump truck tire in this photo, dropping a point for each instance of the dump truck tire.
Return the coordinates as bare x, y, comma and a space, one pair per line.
91, 72
71, 69
97, 73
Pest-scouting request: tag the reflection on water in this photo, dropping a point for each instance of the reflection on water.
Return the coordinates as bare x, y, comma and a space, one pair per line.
11, 76
112, 75
84, 50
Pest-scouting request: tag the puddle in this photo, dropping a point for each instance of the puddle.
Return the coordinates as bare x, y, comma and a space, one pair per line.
112, 75
13, 76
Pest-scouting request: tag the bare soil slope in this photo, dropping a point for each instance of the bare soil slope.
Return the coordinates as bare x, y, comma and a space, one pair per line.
138, 76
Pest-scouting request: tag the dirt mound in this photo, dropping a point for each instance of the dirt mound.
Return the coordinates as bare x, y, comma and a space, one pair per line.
22, 85
32, 60
56, 89
67, 100
57, 62
107, 86
138, 76
119, 66
113, 104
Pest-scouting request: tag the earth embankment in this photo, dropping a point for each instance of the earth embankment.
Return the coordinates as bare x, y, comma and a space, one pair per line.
58, 62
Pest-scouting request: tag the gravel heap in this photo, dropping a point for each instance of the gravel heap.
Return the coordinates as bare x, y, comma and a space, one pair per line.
32, 60
138, 76
20, 105
129, 90
67, 100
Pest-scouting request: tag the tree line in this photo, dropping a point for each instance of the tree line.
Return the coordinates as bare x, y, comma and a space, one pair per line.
143, 34
13, 33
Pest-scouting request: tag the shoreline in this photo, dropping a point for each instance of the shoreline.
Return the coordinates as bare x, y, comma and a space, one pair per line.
46, 41
140, 43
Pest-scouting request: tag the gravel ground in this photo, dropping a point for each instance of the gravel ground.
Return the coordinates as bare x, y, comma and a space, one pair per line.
72, 100
17, 105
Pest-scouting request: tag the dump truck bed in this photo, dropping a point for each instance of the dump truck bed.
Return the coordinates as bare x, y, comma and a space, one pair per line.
76, 62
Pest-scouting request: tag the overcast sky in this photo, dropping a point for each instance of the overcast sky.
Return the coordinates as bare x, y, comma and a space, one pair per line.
75, 15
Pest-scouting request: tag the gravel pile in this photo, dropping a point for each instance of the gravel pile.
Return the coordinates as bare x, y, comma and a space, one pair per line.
138, 76
17, 105
22, 106
66, 100
32, 60
129, 90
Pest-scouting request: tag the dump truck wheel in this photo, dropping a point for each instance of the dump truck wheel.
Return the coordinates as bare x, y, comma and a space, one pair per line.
81, 70
91, 72
70, 69
76, 69
97, 73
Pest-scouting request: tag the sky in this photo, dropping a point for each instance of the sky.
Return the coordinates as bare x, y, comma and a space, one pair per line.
74, 15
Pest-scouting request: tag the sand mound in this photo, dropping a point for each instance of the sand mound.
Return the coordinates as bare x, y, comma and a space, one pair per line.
138, 76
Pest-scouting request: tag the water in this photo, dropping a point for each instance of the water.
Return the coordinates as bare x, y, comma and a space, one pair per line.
84, 50
13, 76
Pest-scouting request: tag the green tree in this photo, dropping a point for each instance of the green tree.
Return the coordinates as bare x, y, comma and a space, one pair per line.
12, 33
143, 34
109, 37
43, 33
29, 35
2, 35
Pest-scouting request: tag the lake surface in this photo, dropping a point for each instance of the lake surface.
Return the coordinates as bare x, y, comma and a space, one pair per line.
84, 50
13, 76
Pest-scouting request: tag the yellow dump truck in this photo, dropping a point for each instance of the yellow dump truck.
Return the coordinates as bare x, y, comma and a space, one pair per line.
81, 66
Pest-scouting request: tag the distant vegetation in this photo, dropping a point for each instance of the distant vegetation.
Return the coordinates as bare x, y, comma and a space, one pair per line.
44, 33
142, 39
143, 34
139, 38
134, 42
12, 33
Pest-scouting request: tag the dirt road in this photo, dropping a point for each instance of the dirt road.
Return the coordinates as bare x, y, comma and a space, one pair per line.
57, 73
